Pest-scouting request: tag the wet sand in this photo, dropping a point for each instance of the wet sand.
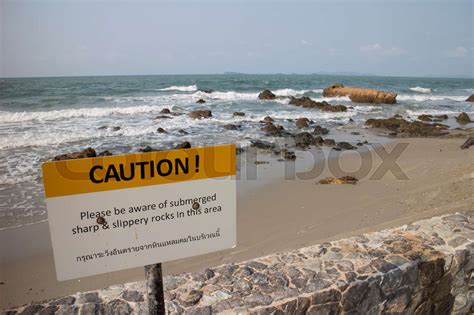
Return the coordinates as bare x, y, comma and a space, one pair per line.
276, 215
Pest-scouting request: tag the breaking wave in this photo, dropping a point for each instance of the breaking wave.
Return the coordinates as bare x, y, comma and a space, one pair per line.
13, 117
422, 98
185, 88
420, 89
231, 95
432, 112
292, 92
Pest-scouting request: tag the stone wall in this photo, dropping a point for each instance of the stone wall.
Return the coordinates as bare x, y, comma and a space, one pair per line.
422, 268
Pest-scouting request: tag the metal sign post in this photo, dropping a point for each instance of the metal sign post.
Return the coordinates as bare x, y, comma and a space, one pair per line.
154, 284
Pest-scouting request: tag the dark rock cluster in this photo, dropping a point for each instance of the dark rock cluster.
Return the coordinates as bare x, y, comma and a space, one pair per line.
307, 102
86, 153
409, 128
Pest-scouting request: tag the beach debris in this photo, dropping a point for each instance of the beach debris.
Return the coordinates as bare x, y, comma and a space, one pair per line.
165, 111
415, 128
273, 130
231, 127
183, 145
260, 144
432, 117
338, 181
463, 119
302, 122
161, 130
307, 102
470, 98
318, 130
199, 114
200, 101
266, 95
261, 162
468, 143
346, 146
304, 139
86, 153
236, 114
361, 95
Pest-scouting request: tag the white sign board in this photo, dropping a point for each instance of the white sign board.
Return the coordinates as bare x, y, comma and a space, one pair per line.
112, 213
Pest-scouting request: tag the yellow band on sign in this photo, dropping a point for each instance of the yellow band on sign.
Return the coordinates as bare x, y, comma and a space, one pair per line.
71, 177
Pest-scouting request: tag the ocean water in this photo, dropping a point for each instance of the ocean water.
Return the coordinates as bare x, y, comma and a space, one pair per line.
44, 117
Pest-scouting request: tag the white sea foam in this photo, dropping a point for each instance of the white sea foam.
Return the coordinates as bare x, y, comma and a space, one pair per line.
233, 95
432, 112
368, 109
422, 98
420, 89
11, 180
12, 117
332, 99
42, 139
289, 92
230, 95
63, 132
292, 92
185, 88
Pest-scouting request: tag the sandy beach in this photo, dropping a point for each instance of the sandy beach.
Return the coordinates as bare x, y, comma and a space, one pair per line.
275, 215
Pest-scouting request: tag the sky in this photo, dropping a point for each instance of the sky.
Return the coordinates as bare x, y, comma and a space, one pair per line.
390, 37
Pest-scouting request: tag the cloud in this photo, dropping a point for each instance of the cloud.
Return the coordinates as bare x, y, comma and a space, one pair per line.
379, 49
458, 52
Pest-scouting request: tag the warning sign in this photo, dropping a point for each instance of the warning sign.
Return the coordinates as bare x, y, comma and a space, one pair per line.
117, 212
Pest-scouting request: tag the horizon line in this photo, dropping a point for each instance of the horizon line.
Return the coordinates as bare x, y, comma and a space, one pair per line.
348, 74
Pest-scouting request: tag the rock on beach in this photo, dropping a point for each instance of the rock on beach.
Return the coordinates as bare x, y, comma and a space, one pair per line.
360, 95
